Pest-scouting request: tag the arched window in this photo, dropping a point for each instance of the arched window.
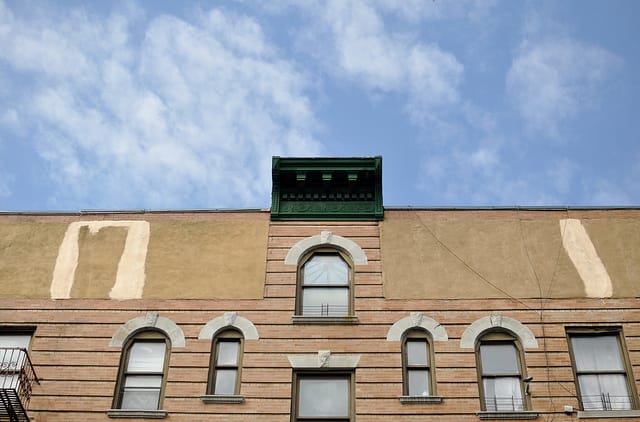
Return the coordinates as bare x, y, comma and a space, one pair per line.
417, 365
501, 372
143, 369
325, 284
226, 364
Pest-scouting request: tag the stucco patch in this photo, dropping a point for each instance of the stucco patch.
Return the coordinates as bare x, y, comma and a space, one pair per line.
130, 276
584, 256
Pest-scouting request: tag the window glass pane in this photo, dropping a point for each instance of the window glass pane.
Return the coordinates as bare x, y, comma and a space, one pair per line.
325, 301
13, 359
503, 394
604, 392
228, 352
15, 340
146, 356
417, 352
323, 397
597, 353
499, 359
418, 382
143, 381
225, 381
141, 392
10, 381
326, 269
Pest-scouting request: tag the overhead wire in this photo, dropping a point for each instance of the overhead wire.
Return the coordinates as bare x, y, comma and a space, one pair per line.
541, 297
470, 268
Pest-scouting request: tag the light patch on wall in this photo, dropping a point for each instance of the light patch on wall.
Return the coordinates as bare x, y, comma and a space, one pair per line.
584, 256
130, 276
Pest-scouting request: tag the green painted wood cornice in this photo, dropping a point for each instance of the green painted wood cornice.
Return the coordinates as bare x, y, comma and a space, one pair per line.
327, 188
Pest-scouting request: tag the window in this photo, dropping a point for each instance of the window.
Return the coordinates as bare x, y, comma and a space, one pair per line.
14, 346
322, 397
142, 372
226, 362
601, 370
500, 366
324, 285
417, 358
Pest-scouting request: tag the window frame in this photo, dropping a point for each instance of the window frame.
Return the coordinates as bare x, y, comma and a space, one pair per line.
299, 316
416, 334
502, 337
17, 331
624, 355
320, 374
225, 335
154, 336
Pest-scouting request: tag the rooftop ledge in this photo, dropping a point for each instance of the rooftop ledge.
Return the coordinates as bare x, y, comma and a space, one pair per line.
267, 210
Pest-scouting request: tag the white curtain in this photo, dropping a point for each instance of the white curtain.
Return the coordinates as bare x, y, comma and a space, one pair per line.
503, 394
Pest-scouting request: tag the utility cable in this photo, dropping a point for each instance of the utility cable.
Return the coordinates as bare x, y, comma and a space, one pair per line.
470, 268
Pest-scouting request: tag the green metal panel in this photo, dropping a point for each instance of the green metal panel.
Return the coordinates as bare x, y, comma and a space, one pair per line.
327, 188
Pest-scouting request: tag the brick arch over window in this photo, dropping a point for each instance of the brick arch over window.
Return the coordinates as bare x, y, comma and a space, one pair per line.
475, 330
417, 320
149, 321
229, 320
326, 239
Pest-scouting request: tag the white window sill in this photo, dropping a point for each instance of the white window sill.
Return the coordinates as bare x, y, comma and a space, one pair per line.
326, 320
218, 398
420, 399
137, 413
592, 414
523, 414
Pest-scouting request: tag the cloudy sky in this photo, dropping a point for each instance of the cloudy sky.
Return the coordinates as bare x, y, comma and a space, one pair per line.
156, 104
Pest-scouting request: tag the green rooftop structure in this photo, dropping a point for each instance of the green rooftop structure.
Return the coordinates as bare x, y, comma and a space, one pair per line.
327, 189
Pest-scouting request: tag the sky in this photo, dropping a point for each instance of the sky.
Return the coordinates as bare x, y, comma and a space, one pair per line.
157, 105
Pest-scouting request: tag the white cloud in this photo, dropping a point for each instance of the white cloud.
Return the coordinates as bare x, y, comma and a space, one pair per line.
364, 50
554, 80
416, 10
191, 113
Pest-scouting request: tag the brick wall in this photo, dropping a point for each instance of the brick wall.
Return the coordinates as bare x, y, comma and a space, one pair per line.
78, 368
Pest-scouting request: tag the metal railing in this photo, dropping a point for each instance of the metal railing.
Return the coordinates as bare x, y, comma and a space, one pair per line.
325, 309
504, 404
606, 401
16, 380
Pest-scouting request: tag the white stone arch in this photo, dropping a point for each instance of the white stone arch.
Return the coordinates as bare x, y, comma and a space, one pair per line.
229, 320
524, 334
417, 320
149, 321
326, 238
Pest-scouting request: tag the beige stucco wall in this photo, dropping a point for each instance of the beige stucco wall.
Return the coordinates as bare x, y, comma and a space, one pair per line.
424, 254
218, 260
495, 254
28, 254
198, 256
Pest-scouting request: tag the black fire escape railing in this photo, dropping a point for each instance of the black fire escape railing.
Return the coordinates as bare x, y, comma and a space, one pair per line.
504, 404
16, 380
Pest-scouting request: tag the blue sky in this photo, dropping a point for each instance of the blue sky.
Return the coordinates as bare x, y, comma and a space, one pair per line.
166, 104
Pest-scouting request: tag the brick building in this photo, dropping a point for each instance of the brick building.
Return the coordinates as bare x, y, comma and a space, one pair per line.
325, 307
